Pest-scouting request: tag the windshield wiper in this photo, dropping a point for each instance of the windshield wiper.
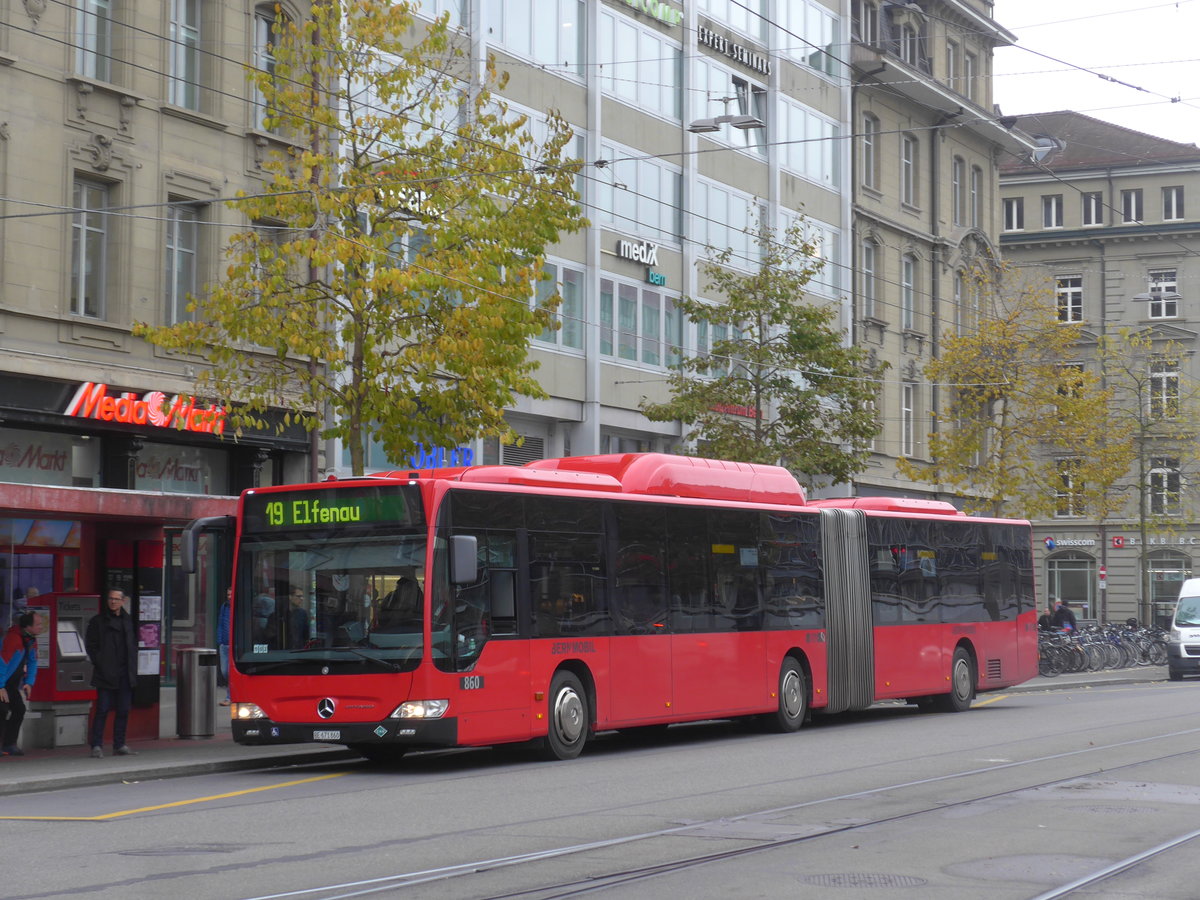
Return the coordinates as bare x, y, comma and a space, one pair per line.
267, 665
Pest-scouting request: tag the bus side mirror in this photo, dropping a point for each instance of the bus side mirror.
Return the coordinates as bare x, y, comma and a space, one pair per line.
464, 562
189, 542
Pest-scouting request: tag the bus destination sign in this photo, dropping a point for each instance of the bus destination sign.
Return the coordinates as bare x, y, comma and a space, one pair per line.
322, 508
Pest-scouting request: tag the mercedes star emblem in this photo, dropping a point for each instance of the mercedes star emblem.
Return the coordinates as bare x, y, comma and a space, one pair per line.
325, 707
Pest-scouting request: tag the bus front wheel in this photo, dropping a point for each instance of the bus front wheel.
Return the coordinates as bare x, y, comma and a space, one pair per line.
793, 699
568, 717
962, 684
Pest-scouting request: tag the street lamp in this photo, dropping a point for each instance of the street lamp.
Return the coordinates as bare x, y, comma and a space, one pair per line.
742, 121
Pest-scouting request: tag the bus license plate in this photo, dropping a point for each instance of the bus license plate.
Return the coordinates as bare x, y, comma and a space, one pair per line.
327, 735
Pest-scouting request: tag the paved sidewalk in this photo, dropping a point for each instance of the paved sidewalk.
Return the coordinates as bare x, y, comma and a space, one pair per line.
170, 757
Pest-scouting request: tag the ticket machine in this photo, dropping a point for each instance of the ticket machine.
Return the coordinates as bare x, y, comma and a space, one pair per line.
62, 694
64, 671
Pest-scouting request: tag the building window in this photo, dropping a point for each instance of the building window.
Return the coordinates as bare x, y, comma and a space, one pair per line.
870, 151
1069, 492
552, 37
908, 291
640, 196
1164, 303
723, 218
264, 59
865, 21
812, 33
93, 39
1069, 291
747, 16
1131, 206
1164, 389
639, 324
807, 141
953, 65
183, 32
866, 271
1172, 203
568, 284
89, 248
1093, 208
908, 419
183, 238
1052, 211
976, 197
1014, 213
640, 67
431, 9
910, 45
908, 169
1165, 486
958, 190
970, 75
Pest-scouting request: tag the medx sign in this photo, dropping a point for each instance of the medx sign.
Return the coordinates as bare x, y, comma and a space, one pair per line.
638, 251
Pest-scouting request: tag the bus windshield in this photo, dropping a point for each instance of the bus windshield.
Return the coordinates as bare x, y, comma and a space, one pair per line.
347, 593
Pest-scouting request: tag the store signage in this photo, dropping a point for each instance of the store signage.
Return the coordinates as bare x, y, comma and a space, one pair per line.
668, 15
92, 401
638, 251
656, 278
1119, 542
759, 62
441, 457
1051, 543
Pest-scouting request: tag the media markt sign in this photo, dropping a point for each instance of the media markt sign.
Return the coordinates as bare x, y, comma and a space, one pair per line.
668, 15
92, 401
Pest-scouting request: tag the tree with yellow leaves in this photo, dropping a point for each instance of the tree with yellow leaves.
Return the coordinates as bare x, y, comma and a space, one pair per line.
383, 290
1025, 431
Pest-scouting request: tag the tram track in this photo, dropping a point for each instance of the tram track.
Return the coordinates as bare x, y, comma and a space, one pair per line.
405, 883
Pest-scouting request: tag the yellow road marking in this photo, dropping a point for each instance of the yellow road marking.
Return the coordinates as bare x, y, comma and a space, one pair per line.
991, 700
143, 809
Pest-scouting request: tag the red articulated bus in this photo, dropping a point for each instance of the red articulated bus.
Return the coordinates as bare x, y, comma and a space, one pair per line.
547, 602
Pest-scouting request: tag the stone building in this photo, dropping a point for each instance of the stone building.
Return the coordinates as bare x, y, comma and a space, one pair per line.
1107, 218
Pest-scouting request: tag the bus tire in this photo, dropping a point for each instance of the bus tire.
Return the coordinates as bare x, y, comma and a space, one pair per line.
569, 718
962, 684
793, 699
380, 754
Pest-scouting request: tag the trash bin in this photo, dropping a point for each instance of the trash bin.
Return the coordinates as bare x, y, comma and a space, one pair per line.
196, 692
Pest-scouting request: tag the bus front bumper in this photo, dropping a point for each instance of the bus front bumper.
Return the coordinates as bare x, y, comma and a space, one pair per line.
399, 732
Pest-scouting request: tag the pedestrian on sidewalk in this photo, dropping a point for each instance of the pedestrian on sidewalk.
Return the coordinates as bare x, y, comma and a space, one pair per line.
112, 647
223, 645
18, 671
1063, 617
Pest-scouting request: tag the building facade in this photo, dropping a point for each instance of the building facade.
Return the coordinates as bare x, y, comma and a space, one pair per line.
1100, 215
636, 81
126, 126
928, 146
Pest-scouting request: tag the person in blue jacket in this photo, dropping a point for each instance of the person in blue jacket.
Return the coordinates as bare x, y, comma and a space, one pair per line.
18, 671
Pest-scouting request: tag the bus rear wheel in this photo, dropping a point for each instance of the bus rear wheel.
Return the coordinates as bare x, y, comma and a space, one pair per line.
569, 718
962, 684
793, 699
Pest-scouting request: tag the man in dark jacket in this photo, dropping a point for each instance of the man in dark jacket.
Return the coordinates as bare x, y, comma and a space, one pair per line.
112, 647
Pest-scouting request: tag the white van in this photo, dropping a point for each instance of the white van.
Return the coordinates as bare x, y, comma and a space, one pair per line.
1183, 647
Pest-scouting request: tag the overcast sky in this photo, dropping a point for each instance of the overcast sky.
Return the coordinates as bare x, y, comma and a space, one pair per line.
1151, 47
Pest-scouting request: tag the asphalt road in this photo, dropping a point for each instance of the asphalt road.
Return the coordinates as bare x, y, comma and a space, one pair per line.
1023, 796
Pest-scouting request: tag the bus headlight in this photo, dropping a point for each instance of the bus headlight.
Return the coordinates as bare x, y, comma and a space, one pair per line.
247, 711
420, 709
